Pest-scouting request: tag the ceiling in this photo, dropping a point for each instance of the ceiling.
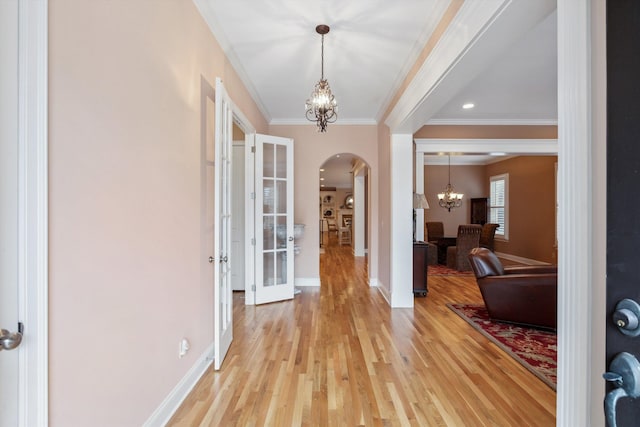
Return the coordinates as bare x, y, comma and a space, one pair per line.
369, 51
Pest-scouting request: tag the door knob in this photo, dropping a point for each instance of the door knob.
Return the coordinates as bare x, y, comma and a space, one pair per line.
624, 374
291, 238
224, 259
211, 259
626, 317
10, 340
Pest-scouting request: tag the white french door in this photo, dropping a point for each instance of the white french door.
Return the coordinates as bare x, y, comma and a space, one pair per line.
10, 188
274, 218
223, 302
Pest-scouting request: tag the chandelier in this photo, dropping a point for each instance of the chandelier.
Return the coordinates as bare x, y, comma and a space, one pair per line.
449, 198
321, 107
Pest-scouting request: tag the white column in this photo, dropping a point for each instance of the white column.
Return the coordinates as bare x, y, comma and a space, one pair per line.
358, 215
576, 308
419, 190
401, 221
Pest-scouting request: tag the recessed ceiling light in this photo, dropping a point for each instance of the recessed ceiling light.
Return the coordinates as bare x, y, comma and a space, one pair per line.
321, 179
321, 169
321, 185
497, 153
468, 105
338, 155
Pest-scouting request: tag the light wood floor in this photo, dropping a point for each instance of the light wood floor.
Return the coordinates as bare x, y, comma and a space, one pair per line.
339, 356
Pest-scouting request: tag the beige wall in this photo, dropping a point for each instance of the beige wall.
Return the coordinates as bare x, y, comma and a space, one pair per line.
531, 206
126, 269
468, 180
311, 150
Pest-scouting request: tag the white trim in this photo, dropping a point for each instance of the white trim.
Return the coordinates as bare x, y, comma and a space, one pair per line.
33, 388
575, 219
311, 282
374, 283
492, 122
205, 9
339, 122
249, 219
384, 291
419, 189
511, 146
521, 260
450, 49
172, 402
401, 226
464, 160
433, 20
479, 32
502, 235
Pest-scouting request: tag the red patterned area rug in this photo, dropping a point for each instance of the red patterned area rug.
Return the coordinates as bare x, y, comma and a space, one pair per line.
534, 349
441, 270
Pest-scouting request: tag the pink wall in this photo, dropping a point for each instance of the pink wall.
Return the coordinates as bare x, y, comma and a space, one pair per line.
311, 150
126, 266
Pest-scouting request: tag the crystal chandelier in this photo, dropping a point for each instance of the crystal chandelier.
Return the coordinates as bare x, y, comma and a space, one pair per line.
321, 107
449, 198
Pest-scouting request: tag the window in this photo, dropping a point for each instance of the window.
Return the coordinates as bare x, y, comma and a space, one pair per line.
499, 204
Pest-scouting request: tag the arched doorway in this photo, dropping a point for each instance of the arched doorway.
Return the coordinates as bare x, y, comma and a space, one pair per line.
344, 203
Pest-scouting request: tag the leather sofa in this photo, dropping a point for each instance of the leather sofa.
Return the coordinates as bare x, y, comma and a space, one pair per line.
524, 295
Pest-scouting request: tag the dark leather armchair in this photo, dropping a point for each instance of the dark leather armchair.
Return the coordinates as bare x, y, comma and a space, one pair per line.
524, 295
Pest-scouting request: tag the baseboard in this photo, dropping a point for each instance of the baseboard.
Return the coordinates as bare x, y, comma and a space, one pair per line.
172, 402
373, 283
521, 260
307, 282
385, 293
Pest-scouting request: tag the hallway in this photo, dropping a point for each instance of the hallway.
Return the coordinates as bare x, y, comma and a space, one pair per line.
340, 356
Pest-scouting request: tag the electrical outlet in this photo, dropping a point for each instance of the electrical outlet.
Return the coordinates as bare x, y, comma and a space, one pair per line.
183, 347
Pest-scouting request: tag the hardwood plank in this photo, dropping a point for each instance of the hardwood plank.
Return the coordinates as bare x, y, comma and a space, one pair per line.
339, 356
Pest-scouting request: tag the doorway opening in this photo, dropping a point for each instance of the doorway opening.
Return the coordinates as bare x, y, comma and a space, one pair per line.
344, 206
238, 209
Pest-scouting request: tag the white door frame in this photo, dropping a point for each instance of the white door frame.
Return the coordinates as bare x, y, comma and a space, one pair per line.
33, 212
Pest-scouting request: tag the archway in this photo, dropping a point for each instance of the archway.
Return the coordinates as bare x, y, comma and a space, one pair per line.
344, 203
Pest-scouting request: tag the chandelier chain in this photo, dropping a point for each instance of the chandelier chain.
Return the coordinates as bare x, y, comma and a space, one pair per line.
449, 199
322, 58
321, 107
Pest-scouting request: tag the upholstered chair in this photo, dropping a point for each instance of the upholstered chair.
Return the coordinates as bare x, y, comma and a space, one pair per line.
487, 235
525, 295
467, 239
435, 231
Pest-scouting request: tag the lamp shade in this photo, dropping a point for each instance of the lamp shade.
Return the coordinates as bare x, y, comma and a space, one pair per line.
420, 201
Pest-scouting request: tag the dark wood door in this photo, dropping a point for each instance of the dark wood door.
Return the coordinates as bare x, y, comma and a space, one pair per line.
623, 179
479, 207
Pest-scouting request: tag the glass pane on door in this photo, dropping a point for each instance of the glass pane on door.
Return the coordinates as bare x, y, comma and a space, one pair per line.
274, 160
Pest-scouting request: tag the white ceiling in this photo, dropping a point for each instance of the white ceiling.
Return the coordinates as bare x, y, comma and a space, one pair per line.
370, 49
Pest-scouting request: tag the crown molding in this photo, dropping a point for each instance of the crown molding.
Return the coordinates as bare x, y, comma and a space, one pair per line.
449, 50
434, 19
492, 122
479, 32
474, 146
464, 160
205, 9
305, 122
